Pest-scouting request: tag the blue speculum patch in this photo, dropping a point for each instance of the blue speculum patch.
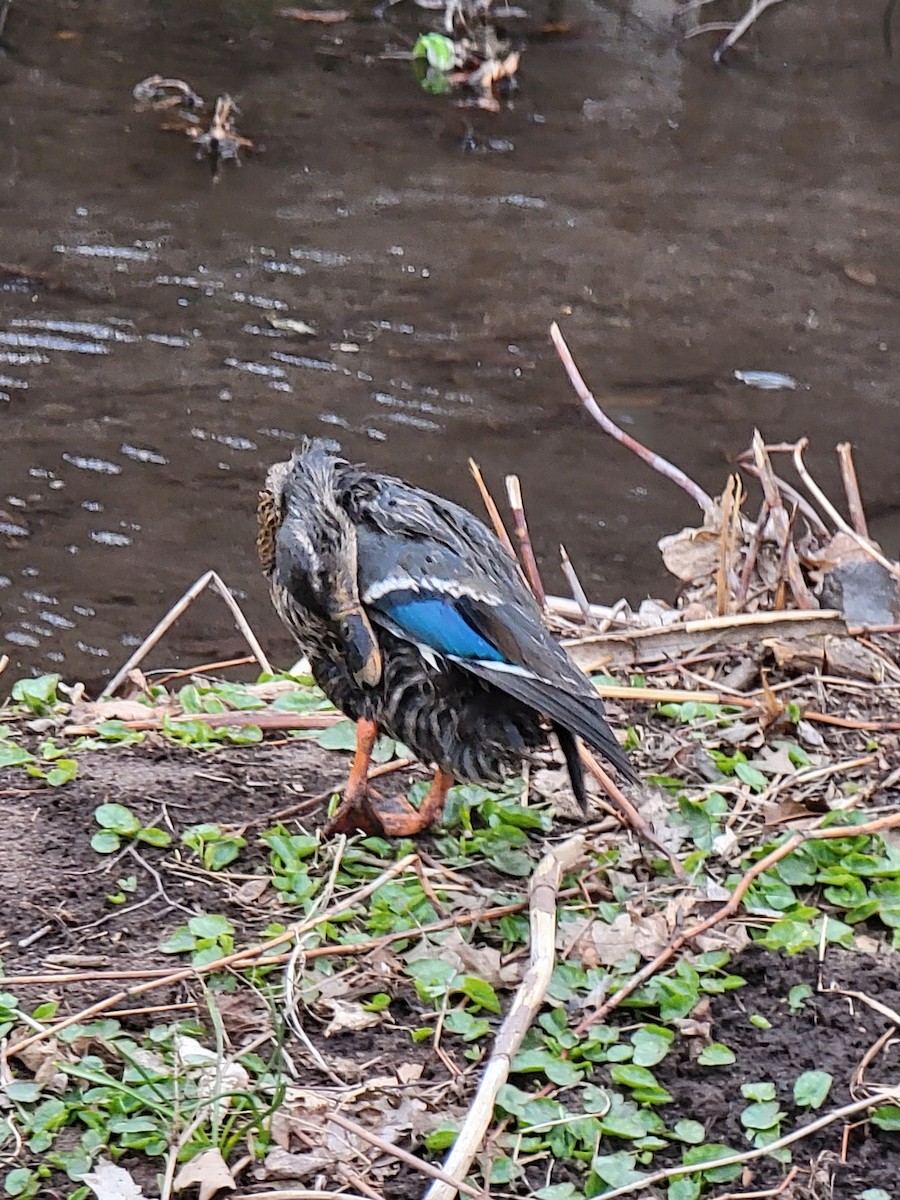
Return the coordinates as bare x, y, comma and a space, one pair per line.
436, 623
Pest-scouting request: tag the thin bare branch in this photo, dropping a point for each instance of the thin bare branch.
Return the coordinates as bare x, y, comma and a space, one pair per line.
656, 461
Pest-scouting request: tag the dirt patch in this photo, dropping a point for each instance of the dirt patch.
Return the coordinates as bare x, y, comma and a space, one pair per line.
826, 1033
54, 880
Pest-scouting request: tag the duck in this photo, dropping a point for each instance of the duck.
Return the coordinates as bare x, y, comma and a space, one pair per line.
418, 624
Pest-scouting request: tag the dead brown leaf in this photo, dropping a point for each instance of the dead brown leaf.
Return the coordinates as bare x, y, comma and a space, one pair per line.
691, 555
861, 275
209, 1172
349, 1016
109, 1182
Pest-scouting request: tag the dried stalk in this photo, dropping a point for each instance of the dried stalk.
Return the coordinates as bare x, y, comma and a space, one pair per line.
441, 1177
560, 606
851, 489
526, 550
780, 524
656, 461
866, 543
730, 907
492, 510
756, 541
579, 595
525, 1007
629, 813
210, 579
265, 719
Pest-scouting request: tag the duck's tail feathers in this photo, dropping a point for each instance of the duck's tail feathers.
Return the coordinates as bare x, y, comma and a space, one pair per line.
571, 713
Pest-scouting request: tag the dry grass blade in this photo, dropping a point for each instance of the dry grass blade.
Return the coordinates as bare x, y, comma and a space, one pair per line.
526, 1004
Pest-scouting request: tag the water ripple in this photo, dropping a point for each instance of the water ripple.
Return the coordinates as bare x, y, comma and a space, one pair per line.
100, 465
139, 454
47, 342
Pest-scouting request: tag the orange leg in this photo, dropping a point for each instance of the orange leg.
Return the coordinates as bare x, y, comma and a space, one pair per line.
399, 819
355, 810
390, 816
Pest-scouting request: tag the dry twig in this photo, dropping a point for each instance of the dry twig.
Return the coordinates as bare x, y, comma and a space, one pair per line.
728, 909
529, 562
837, 1114
237, 958
656, 461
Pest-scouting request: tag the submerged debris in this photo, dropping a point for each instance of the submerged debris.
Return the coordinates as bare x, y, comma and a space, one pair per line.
481, 61
161, 94
219, 138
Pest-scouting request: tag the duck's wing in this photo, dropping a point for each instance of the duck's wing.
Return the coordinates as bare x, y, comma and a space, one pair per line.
433, 575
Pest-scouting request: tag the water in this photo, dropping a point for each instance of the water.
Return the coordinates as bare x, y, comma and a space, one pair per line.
680, 222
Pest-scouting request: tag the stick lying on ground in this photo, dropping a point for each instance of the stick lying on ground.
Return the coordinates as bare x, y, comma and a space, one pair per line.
525, 1007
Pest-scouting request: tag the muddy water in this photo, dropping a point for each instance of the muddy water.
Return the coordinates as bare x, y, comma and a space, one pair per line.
681, 222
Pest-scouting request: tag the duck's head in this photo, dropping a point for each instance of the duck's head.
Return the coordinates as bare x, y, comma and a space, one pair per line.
307, 545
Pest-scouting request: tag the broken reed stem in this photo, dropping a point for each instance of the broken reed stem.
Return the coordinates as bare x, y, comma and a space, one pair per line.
561, 606
210, 579
753, 13
492, 510
790, 568
229, 960
526, 550
579, 595
790, 493
656, 461
265, 719
268, 721
837, 1114
730, 907
866, 543
851, 489
527, 1002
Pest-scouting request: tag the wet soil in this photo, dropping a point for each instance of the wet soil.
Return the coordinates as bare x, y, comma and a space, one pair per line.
53, 882
681, 221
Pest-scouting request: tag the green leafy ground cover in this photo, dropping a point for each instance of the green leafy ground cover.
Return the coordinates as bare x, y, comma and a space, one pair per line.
386, 1008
